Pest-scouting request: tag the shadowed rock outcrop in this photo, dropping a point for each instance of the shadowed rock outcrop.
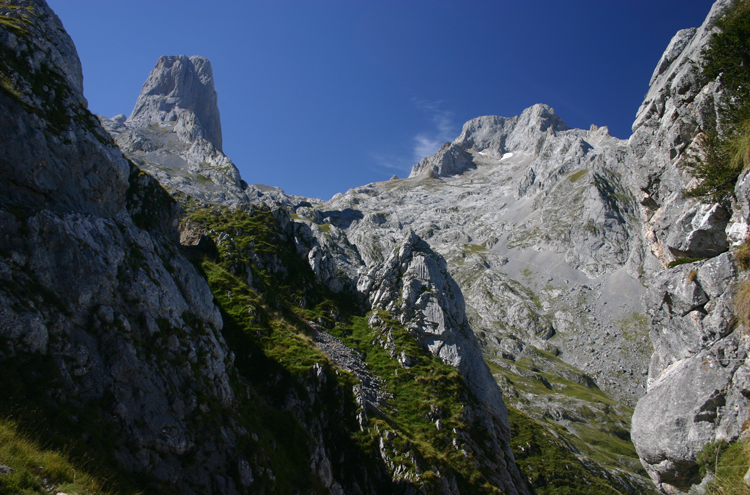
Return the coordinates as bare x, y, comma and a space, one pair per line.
56, 156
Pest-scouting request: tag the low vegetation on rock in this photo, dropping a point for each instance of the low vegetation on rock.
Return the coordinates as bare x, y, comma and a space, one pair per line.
724, 151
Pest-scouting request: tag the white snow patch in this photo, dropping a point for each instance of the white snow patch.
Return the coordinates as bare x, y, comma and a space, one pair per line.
506, 155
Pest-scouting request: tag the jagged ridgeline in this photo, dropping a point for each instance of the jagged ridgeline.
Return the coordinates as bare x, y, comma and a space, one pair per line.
135, 365
484, 326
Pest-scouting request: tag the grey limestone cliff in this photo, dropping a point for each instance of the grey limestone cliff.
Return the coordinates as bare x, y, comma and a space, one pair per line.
174, 133
177, 86
678, 106
696, 384
96, 300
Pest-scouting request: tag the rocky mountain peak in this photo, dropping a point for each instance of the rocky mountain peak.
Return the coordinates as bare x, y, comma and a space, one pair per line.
491, 133
493, 137
541, 117
174, 133
181, 88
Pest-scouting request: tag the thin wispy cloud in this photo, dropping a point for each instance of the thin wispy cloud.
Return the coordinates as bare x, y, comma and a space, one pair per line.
440, 127
443, 129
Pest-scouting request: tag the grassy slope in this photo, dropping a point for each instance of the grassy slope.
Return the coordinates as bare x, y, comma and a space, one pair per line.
269, 320
275, 358
577, 429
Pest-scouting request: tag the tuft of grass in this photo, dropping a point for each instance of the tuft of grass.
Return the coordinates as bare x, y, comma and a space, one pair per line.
729, 462
578, 175
682, 261
202, 179
739, 147
692, 275
742, 256
742, 303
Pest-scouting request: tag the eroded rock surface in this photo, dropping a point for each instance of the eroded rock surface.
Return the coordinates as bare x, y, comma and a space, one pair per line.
174, 133
696, 383
181, 86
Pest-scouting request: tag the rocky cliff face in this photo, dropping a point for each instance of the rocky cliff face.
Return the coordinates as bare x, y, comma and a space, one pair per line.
104, 304
222, 366
96, 299
696, 384
677, 107
351, 335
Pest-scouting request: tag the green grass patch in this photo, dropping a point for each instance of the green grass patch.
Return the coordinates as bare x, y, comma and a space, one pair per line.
202, 179
742, 256
548, 463
473, 248
729, 462
37, 469
578, 175
683, 261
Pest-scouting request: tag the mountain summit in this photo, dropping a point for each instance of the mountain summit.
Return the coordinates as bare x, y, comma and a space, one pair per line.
181, 88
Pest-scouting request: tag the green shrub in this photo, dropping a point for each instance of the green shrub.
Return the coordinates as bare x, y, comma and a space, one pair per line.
711, 165
682, 261
727, 57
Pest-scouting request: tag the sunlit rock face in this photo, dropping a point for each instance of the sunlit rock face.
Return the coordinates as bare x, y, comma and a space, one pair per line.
697, 381
522, 239
181, 85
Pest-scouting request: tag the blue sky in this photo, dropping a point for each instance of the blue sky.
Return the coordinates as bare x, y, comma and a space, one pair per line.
319, 96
